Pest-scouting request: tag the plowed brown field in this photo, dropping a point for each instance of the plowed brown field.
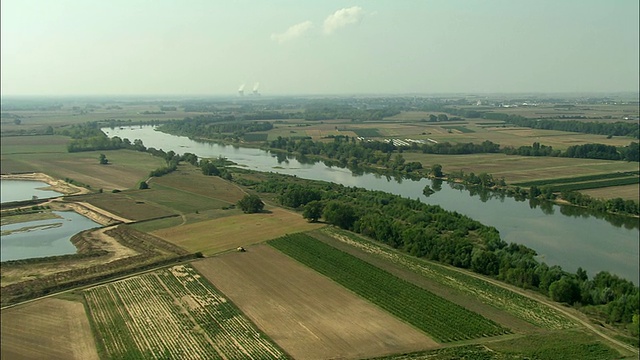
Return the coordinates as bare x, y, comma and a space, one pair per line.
308, 315
47, 329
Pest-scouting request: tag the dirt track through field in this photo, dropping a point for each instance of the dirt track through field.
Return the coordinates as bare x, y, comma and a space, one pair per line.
47, 329
308, 315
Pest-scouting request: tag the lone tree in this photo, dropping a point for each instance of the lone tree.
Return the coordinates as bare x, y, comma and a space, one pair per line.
436, 170
313, 211
208, 168
251, 204
103, 159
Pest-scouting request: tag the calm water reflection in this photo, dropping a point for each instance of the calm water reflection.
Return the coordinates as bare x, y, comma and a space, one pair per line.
43, 237
17, 190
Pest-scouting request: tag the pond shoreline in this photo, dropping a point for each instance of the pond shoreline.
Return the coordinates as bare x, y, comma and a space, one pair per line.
60, 186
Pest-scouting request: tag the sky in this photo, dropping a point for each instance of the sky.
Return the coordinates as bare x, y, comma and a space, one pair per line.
286, 47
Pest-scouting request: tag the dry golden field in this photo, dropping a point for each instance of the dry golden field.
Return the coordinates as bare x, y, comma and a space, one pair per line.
627, 192
516, 168
47, 329
308, 315
222, 234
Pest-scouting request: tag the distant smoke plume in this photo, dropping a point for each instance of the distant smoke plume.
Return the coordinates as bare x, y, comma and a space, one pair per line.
255, 87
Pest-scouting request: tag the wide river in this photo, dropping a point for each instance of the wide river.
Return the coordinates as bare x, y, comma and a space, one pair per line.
564, 236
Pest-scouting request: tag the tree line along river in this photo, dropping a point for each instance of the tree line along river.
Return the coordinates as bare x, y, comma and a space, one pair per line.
565, 236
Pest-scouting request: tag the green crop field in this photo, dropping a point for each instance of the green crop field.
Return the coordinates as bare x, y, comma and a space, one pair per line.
441, 319
174, 314
518, 305
462, 129
368, 132
576, 179
557, 345
596, 184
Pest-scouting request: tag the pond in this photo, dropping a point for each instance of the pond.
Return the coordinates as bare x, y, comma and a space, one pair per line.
18, 190
565, 236
42, 238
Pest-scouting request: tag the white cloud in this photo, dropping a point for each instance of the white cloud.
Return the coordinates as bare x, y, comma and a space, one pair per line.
342, 18
292, 32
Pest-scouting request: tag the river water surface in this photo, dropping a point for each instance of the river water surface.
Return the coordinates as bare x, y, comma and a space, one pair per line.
565, 236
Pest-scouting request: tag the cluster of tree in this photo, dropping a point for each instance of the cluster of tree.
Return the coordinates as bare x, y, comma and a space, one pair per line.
440, 118
630, 152
483, 179
534, 150
592, 127
617, 205
346, 152
214, 168
605, 152
446, 148
102, 142
213, 127
336, 111
251, 204
81, 131
433, 233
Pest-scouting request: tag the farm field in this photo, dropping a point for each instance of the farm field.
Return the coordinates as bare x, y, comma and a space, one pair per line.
515, 304
557, 345
189, 180
34, 144
615, 111
125, 169
308, 315
441, 319
628, 192
516, 169
226, 233
127, 205
173, 313
47, 329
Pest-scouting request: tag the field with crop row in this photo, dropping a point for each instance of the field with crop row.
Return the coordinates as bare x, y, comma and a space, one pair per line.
440, 318
519, 306
597, 184
173, 313
568, 180
462, 129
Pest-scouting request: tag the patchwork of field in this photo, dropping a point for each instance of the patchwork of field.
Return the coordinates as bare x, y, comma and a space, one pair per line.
441, 319
222, 234
521, 168
47, 329
176, 314
308, 315
511, 302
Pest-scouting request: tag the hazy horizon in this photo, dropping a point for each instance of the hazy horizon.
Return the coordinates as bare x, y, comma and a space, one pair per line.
288, 48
